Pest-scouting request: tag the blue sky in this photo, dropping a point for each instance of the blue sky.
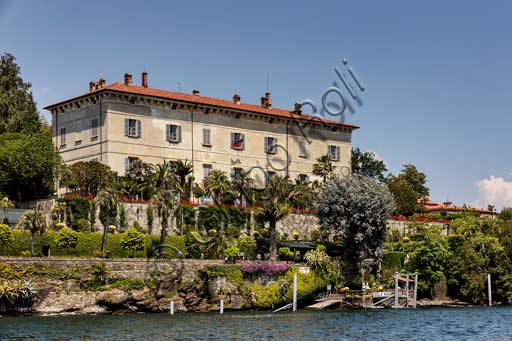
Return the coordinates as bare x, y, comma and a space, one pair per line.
437, 73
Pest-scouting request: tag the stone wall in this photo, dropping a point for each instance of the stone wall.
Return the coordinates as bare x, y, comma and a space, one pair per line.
304, 224
119, 268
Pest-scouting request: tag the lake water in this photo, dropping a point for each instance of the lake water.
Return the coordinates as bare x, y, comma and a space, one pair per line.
389, 324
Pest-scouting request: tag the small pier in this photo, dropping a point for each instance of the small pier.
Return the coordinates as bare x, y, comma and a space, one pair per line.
400, 297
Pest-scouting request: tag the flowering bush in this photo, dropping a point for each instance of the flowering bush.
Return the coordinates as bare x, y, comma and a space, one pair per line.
269, 269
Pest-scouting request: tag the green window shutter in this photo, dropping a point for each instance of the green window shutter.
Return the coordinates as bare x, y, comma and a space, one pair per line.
126, 127
168, 132
127, 165
139, 128
179, 133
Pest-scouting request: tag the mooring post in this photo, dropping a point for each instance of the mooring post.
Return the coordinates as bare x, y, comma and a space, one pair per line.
415, 288
396, 289
489, 289
171, 308
294, 303
222, 306
407, 291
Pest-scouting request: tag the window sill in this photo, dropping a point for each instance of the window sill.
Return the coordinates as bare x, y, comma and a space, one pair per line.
62, 146
206, 145
303, 156
78, 143
238, 148
94, 138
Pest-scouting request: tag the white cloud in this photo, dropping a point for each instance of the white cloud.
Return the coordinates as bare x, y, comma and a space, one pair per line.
495, 191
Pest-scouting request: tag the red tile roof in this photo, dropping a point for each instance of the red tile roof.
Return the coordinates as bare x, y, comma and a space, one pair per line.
196, 99
431, 206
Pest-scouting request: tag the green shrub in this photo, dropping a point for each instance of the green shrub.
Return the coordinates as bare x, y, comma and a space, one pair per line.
285, 253
232, 252
83, 225
321, 247
315, 235
393, 260
6, 235
66, 239
231, 272
263, 296
133, 240
128, 284
137, 226
248, 246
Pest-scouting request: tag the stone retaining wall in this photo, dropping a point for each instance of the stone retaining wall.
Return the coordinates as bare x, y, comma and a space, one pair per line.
120, 268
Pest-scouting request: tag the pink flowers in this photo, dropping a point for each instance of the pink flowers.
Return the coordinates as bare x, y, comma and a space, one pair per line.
267, 268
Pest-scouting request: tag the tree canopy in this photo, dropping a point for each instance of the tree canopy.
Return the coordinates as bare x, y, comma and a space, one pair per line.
355, 209
27, 166
88, 177
18, 111
366, 164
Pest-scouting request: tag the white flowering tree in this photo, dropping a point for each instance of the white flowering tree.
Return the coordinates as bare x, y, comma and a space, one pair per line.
354, 210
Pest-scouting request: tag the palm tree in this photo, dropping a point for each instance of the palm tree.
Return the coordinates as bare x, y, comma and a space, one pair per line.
323, 167
243, 185
182, 169
107, 199
275, 204
162, 177
140, 172
216, 183
34, 221
303, 194
166, 202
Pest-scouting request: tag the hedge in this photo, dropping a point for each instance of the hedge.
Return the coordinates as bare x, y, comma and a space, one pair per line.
88, 245
393, 260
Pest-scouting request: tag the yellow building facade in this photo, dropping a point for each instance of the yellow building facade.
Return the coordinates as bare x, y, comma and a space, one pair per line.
121, 122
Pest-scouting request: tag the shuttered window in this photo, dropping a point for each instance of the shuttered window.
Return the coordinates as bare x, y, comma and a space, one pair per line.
237, 141
270, 145
173, 133
302, 149
334, 153
206, 137
63, 137
94, 128
132, 128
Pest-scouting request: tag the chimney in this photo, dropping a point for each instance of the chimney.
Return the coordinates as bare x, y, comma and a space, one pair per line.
236, 98
298, 108
195, 92
91, 86
145, 79
101, 83
127, 79
266, 102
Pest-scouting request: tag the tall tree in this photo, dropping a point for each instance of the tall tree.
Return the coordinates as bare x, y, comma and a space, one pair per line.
88, 177
356, 209
34, 221
243, 186
323, 167
416, 179
107, 201
366, 164
404, 196
182, 169
27, 166
18, 111
275, 203
165, 202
